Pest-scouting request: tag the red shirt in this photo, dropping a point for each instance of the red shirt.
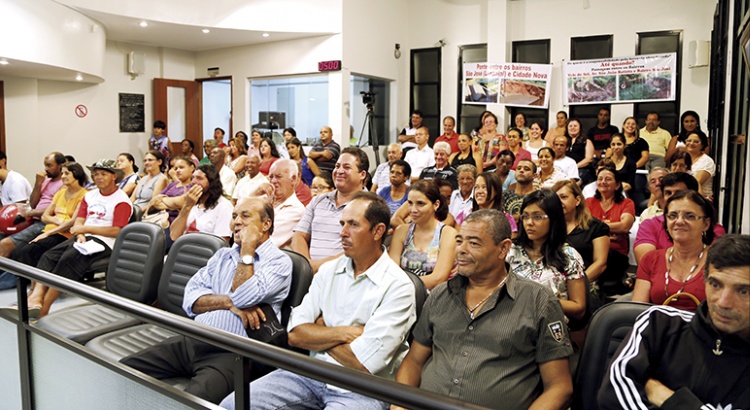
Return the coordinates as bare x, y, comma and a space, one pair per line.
453, 142
618, 242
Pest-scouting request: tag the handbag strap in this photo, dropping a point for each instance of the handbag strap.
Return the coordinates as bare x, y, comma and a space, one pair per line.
679, 294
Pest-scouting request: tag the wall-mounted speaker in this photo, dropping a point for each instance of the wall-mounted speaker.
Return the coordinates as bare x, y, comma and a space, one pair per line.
136, 63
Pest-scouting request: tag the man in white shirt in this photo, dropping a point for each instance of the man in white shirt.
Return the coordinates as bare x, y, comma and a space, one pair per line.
228, 178
287, 208
14, 188
462, 199
566, 164
422, 156
369, 335
382, 176
252, 180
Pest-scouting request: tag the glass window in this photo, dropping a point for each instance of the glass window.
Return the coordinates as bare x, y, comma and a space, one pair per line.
425, 88
469, 115
380, 91
297, 102
669, 111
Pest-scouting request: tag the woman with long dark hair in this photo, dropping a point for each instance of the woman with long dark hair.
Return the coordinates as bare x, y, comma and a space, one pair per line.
581, 150
205, 208
540, 252
488, 194
237, 158
268, 155
690, 122
126, 163
425, 247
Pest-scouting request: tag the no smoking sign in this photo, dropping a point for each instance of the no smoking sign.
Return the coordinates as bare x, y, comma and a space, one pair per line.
81, 110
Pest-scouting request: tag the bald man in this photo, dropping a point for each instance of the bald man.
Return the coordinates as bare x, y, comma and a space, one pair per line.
287, 208
327, 151
382, 177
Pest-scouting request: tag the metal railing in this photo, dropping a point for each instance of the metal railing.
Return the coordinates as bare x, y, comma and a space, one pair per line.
372, 386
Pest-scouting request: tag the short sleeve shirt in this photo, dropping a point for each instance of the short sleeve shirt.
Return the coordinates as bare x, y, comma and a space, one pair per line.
334, 148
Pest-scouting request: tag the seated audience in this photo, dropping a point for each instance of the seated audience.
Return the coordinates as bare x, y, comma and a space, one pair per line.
658, 140
268, 155
703, 167
514, 137
462, 199
689, 222
57, 220
130, 178
327, 151
566, 164
449, 134
561, 118
359, 324
171, 198
382, 176
322, 184
652, 233
610, 206
153, 180
586, 234
101, 215
513, 197
225, 294
287, 208
445, 188
237, 157
505, 160
583, 146
396, 192
254, 147
297, 154
548, 174
205, 209
541, 254
657, 201
421, 156
485, 357
251, 181
535, 142
226, 175
680, 360
208, 145
681, 161
187, 149
624, 165
316, 237
690, 122
488, 143
466, 153
425, 247
488, 194
15, 188
441, 168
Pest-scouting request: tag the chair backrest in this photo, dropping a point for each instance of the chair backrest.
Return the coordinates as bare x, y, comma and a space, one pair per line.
188, 254
302, 276
136, 262
609, 327
137, 214
420, 292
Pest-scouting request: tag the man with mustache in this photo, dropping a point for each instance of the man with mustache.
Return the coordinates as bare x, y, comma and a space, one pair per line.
472, 339
357, 314
675, 359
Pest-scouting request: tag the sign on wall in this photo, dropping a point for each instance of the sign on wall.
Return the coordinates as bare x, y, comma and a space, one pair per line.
644, 78
132, 113
513, 84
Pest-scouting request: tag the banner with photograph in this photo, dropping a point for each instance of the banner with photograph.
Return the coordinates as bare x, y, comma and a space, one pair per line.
514, 84
644, 78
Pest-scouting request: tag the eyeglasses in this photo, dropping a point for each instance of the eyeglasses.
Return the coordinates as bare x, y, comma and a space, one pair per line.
535, 217
689, 216
319, 188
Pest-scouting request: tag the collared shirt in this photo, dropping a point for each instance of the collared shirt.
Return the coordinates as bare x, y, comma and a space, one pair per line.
651, 211
658, 141
321, 222
447, 173
382, 176
246, 185
493, 358
285, 217
548, 183
381, 298
461, 206
420, 159
269, 284
452, 141
544, 274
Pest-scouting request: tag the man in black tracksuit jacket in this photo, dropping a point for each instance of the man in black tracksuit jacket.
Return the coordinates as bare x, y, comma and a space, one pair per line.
674, 359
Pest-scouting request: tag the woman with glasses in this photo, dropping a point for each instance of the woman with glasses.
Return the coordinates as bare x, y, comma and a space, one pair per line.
689, 222
541, 254
322, 184
680, 161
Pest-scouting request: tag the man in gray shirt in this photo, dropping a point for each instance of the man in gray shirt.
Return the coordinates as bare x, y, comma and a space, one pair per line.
487, 336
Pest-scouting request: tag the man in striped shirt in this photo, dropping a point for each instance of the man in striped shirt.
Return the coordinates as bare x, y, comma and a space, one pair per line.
674, 359
317, 235
224, 294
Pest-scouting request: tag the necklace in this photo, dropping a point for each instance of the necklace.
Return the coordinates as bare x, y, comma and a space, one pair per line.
690, 274
472, 310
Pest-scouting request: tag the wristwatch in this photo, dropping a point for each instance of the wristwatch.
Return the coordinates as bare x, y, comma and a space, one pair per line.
247, 259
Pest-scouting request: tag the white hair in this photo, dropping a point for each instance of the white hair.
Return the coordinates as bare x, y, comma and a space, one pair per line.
442, 146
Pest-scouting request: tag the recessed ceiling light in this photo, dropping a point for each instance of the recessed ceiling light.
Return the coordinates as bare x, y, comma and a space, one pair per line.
79, 77
266, 34
4, 62
143, 24
206, 31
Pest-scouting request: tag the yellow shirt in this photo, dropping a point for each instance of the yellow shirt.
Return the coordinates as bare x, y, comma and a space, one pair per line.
64, 208
658, 141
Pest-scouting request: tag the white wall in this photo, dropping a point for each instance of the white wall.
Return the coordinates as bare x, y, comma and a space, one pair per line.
40, 114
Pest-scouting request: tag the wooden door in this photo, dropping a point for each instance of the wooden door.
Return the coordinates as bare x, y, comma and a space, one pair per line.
180, 100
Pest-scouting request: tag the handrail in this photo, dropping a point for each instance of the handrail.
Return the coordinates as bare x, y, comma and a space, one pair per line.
382, 389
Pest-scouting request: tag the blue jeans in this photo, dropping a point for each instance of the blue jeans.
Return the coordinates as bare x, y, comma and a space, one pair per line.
282, 389
7, 280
